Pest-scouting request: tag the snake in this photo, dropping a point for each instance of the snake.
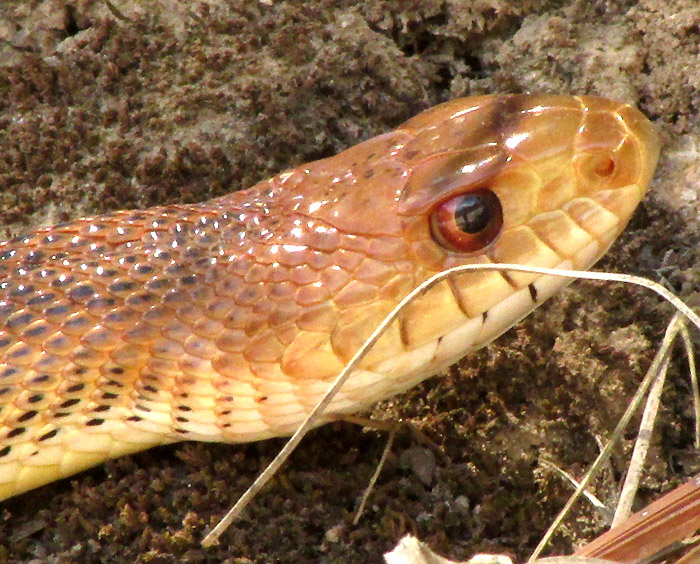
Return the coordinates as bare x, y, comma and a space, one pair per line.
227, 320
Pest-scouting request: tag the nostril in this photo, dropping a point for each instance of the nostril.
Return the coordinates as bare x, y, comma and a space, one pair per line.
605, 167
596, 169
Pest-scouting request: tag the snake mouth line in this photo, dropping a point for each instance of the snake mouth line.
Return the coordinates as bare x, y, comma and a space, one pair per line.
477, 331
601, 224
228, 320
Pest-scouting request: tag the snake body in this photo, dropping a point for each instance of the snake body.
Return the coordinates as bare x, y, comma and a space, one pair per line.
227, 320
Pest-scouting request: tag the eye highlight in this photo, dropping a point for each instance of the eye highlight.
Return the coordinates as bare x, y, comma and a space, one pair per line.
469, 222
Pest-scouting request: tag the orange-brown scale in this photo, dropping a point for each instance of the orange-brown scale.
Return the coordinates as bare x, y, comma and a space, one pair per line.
227, 320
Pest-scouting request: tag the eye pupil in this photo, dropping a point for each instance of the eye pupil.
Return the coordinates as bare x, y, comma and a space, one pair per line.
472, 214
468, 222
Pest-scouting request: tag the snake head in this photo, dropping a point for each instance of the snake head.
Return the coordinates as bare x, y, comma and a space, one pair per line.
547, 181
226, 320
567, 171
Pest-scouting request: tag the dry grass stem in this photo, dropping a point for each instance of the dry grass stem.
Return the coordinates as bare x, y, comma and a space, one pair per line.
212, 537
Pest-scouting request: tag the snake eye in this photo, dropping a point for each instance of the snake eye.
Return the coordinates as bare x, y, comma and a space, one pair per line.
468, 222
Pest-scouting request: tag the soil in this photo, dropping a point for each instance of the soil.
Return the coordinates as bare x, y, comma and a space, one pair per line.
118, 104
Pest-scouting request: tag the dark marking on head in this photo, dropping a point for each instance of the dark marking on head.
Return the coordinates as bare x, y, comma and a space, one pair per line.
81, 292
40, 379
79, 322
508, 278
15, 432
94, 422
36, 331
533, 292
8, 372
143, 268
50, 435
70, 403
140, 300
158, 284
22, 290
103, 302
58, 310
508, 113
6, 310
34, 257
41, 299
484, 316
62, 282
75, 388
27, 416
5, 451
109, 273
403, 334
121, 286
174, 269
20, 351
163, 256
35, 398
19, 320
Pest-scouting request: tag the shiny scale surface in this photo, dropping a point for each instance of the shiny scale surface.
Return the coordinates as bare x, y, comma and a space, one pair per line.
227, 320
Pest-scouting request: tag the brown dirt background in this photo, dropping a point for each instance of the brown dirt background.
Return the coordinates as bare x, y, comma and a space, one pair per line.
124, 104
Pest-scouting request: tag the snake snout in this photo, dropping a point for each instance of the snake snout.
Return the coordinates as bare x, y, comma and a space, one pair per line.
567, 173
581, 164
